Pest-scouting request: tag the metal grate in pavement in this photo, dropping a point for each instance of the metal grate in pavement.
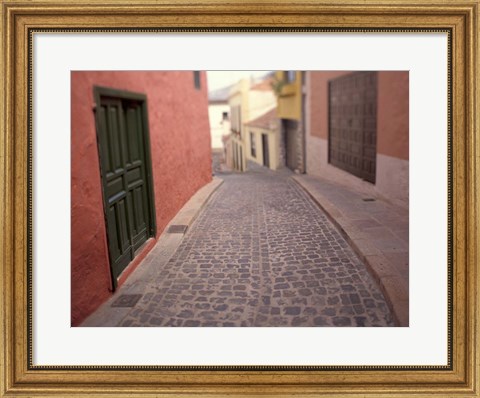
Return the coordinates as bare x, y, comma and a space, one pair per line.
177, 229
126, 300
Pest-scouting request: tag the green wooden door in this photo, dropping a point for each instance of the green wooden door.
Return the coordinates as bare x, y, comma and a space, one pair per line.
123, 145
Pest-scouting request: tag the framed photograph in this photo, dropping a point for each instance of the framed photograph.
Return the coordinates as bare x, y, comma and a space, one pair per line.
284, 192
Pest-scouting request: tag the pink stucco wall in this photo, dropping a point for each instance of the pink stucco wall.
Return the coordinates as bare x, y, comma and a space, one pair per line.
392, 110
181, 164
319, 101
392, 114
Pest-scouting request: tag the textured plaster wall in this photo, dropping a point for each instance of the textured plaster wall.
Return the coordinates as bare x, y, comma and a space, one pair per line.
393, 179
181, 164
392, 114
318, 98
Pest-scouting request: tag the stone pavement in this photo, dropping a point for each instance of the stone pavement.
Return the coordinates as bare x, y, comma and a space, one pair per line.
217, 160
260, 253
376, 230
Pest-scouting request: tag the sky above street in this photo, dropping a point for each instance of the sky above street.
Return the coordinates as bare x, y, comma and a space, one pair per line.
219, 79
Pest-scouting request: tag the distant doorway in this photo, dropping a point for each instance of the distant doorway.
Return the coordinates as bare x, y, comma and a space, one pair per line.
290, 128
266, 158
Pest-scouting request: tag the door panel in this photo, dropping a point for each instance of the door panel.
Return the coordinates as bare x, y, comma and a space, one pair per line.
266, 159
291, 158
123, 142
353, 124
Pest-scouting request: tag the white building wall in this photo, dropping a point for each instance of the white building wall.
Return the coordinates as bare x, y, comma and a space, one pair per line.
218, 126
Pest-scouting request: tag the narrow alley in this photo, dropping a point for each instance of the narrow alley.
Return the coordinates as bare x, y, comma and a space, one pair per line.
261, 253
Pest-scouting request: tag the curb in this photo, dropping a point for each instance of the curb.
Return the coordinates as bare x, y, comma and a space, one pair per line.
190, 210
388, 288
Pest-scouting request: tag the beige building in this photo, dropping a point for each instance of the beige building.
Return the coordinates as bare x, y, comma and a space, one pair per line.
238, 101
248, 100
264, 140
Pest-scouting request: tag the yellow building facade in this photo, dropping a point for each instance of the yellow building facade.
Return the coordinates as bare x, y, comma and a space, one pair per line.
288, 86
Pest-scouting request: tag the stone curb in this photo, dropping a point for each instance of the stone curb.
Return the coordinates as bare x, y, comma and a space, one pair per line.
190, 210
380, 268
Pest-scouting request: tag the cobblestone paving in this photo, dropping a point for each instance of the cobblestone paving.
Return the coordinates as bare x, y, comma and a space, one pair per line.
217, 161
261, 253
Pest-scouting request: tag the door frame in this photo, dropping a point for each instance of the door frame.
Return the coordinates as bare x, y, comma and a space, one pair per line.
98, 93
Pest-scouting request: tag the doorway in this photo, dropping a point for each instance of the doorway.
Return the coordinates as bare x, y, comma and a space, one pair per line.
126, 171
290, 128
353, 124
266, 157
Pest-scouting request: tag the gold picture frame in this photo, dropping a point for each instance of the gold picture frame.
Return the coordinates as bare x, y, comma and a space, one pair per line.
21, 19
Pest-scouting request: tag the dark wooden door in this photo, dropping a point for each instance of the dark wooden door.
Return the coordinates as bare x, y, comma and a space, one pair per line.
266, 158
122, 130
291, 151
353, 124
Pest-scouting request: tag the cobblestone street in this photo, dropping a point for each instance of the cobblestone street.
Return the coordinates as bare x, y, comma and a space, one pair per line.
261, 253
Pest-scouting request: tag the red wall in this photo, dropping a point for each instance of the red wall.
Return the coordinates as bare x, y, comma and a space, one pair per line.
392, 114
392, 110
181, 164
319, 101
